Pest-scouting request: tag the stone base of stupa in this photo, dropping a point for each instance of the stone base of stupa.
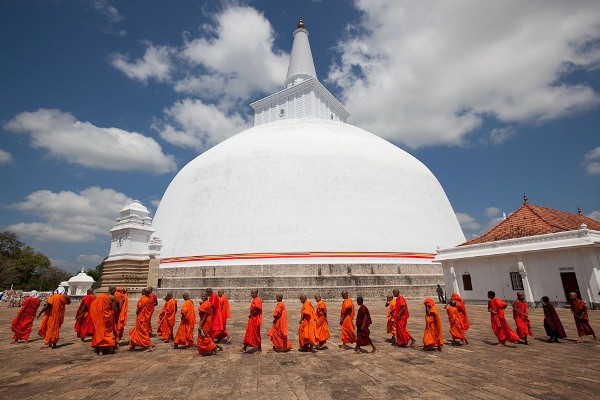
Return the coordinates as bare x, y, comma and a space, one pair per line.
371, 281
131, 273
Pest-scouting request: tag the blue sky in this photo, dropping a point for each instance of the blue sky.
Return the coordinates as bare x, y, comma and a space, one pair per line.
102, 102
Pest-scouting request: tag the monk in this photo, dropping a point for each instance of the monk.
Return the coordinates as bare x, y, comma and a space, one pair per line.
499, 324
390, 303
206, 345
54, 316
226, 312
278, 334
462, 309
456, 324
552, 325
307, 330
122, 302
185, 333
582, 322
252, 337
403, 337
102, 311
322, 328
218, 329
166, 319
433, 338
84, 325
154, 299
347, 334
363, 321
23, 322
521, 318
139, 335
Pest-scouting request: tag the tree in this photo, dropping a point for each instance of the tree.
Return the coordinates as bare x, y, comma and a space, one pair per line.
96, 273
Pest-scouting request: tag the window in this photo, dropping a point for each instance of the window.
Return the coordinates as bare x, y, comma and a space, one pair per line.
516, 280
467, 285
159, 283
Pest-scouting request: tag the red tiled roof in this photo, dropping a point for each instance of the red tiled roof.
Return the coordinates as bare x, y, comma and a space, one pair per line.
531, 220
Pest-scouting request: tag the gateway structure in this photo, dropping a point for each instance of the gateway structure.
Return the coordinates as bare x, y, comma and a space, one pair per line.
303, 202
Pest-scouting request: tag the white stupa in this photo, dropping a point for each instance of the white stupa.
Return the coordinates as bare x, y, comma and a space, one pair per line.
301, 187
80, 283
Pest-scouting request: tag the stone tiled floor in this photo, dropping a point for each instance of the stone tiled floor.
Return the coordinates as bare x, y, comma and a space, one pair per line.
480, 371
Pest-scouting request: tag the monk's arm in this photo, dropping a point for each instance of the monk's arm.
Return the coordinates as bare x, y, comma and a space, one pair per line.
43, 310
202, 321
254, 313
347, 312
400, 312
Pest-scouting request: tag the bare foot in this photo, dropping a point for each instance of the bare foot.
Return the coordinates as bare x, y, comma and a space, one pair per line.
412, 342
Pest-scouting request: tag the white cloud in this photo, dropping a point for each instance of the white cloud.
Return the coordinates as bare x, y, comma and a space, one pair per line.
91, 146
592, 161
501, 135
467, 222
155, 64
155, 203
434, 70
491, 212
5, 157
68, 216
595, 215
107, 10
89, 259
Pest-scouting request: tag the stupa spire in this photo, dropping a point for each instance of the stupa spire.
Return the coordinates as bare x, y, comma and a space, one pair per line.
302, 66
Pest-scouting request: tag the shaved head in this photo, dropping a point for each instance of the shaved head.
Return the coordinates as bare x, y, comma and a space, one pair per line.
279, 297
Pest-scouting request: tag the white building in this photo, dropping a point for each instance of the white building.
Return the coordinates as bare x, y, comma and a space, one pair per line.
536, 250
79, 284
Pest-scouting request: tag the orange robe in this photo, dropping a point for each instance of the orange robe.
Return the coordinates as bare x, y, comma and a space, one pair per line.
252, 337
347, 334
499, 324
456, 323
391, 324
278, 334
582, 321
462, 309
166, 319
218, 322
139, 335
53, 318
521, 319
23, 322
307, 330
103, 315
403, 337
205, 342
433, 334
185, 333
154, 299
225, 311
322, 331
84, 325
121, 316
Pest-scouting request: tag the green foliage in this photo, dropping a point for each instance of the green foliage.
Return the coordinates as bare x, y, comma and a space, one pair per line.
96, 273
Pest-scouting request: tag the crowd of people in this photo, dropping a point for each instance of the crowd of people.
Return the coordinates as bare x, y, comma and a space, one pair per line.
104, 317
15, 298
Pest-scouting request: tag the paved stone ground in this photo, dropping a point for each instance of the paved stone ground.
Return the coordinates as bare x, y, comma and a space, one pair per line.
480, 371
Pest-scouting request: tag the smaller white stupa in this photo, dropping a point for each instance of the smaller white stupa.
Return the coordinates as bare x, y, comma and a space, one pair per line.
79, 284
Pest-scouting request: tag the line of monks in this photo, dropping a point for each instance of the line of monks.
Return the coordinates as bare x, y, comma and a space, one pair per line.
104, 318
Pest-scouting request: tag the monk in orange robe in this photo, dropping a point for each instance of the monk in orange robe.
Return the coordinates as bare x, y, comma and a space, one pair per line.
456, 324
166, 318
54, 316
23, 322
139, 335
582, 321
521, 318
401, 315
433, 335
102, 311
185, 333
84, 325
206, 345
122, 302
499, 323
307, 337
154, 299
322, 328
389, 316
218, 329
363, 322
278, 334
462, 309
347, 334
252, 336
226, 312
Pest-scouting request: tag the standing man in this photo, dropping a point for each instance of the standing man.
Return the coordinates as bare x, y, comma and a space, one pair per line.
456, 324
363, 321
54, 317
462, 309
252, 337
154, 299
140, 334
389, 316
23, 322
226, 312
582, 322
552, 325
307, 329
102, 311
122, 302
218, 331
206, 345
440, 293
84, 325
403, 337
166, 318
185, 333
322, 326
521, 318
347, 334
499, 324
278, 334
432, 336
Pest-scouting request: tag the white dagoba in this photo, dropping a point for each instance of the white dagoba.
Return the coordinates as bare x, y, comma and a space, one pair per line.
79, 284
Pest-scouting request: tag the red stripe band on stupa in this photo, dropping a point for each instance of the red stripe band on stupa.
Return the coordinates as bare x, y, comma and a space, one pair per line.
252, 256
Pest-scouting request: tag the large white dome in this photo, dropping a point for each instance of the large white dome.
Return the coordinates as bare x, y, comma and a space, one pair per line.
307, 186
